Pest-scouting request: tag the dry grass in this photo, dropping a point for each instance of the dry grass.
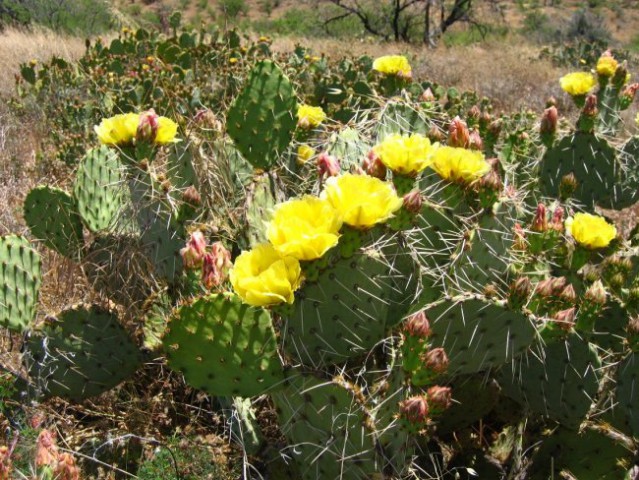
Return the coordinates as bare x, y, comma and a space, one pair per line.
19, 46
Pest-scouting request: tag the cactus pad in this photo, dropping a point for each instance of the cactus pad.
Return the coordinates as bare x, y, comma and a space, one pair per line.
261, 120
224, 347
52, 217
20, 280
99, 188
627, 391
81, 354
477, 334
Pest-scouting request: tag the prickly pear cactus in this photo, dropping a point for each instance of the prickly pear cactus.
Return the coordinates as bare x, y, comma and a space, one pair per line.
20, 267
261, 120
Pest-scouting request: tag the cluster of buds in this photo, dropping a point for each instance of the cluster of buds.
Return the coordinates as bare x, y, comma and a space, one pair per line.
215, 264
546, 229
554, 295
373, 166
417, 411
327, 165
48, 459
628, 95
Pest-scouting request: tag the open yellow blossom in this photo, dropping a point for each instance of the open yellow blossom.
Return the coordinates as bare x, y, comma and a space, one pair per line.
393, 65
362, 201
406, 155
167, 130
578, 83
590, 231
459, 165
304, 154
606, 65
262, 276
304, 228
118, 130
310, 117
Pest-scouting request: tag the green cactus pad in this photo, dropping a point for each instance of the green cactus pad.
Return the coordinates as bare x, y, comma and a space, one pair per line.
435, 237
629, 172
20, 279
179, 168
262, 118
82, 353
478, 334
351, 306
99, 188
52, 217
559, 381
587, 455
349, 148
224, 347
326, 429
627, 392
592, 161
259, 204
403, 119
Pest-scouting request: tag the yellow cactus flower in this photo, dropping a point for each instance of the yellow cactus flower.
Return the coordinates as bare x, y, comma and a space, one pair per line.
304, 154
590, 231
167, 130
578, 83
262, 276
406, 155
304, 228
233, 60
310, 117
118, 130
393, 65
459, 165
361, 200
606, 65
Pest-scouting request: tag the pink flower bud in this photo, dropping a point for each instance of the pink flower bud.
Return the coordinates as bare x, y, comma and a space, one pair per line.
373, 166
544, 288
558, 284
436, 360
192, 196
415, 409
629, 92
474, 113
596, 293
413, 201
458, 133
6, 467
46, 449
520, 289
147, 126
215, 266
474, 141
549, 120
417, 325
439, 398
519, 241
565, 319
590, 108
557, 222
327, 165
66, 469
194, 251
427, 95
633, 325
540, 222
568, 294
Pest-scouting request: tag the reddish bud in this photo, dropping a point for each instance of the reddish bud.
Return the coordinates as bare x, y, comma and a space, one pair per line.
629, 92
436, 360
557, 222
590, 108
633, 325
458, 133
519, 240
6, 466
417, 325
66, 469
540, 222
413, 201
147, 126
439, 398
568, 294
327, 165
192, 196
558, 284
474, 113
565, 319
544, 288
474, 141
207, 119
373, 166
415, 409
568, 185
46, 449
596, 293
435, 134
520, 289
427, 95
495, 127
549, 121
193, 253
215, 266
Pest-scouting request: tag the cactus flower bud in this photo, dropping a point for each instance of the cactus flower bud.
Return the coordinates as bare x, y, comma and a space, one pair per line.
520, 290
628, 95
413, 201
193, 253
633, 325
558, 284
65, 468
215, 266
427, 95
621, 75
474, 141
474, 113
540, 222
373, 166
596, 293
557, 222
495, 127
568, 186
435, 134
544, 288
207, 119
590, 108
46, 449
439, 398
549, 121
568, 294
327, 165
458, 133
565, 319
519, 237
415, 410
147, 126
436, 360
192, 196
6, 467
417, 325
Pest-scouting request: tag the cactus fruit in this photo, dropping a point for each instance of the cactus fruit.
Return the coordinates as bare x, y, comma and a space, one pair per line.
261, 121
80, 354
52, 217
20, 278
224, 347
